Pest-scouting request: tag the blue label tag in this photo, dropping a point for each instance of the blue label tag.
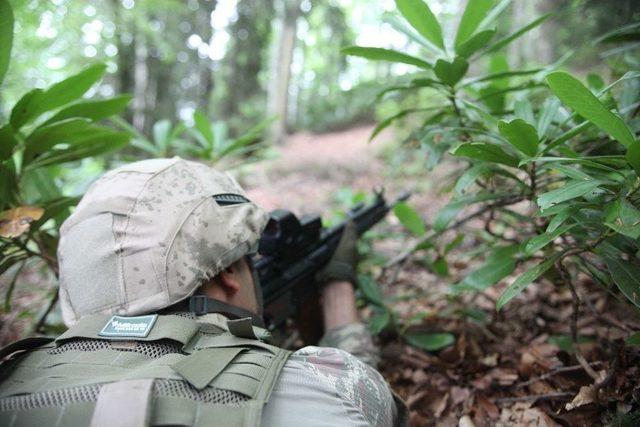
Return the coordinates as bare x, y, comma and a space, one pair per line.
120, 326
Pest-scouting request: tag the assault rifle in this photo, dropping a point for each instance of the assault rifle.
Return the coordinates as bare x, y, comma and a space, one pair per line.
291, 251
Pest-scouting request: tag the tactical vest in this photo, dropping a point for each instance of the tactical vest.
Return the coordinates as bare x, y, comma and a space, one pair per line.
181, 372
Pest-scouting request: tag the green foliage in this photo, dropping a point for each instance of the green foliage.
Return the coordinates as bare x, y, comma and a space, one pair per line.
550, 164
46, 128
6, 36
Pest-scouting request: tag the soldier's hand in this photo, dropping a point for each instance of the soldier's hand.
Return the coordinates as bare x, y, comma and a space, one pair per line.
343, 265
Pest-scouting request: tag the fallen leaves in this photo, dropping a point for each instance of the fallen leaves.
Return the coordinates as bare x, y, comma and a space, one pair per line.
15, 222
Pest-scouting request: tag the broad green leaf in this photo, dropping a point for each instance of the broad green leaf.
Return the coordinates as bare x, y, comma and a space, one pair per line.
542, 240
410, 219
93, 109
502, 76
571, 190
38, 102
517, 34
9, 187
470, 176
524, 280
430, 341
625, 219
420, 17
24, 108
574, 94
203, 126
371, 290
570, 172
6, 36
7, 141
626, 276
102, 143
633, 156
380, 54
62, 132
521, 135
450, 73
633, 339
473, 15
379, 321
485, 151
475, 43
490, 273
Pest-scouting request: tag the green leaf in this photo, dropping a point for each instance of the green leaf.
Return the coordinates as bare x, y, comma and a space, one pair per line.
521, 135
542, 240
371, 290
38, 101
380, 54
450, 73
485, 151
473, 15
92, 109
548, 112
6, 36
559, 219
523, 110
490, 273
524, 280
101, 143
379, 321
633, 339
204, 128
430, 341
400, 114
574, 94
7, 141
475, 43
470, 176
418, 14
409, 219
517, 34
633, 156
62, 132
626, 276
571, 190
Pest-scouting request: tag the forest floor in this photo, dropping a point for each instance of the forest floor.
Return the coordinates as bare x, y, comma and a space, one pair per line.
516, 367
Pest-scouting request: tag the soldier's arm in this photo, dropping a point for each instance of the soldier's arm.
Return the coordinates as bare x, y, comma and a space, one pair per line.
342, 325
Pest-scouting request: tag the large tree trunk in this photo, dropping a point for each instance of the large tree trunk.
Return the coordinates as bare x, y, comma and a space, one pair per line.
205, 73
282, 54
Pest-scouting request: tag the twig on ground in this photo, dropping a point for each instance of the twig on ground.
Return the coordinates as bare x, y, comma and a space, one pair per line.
566, 278
561, 370
549, 396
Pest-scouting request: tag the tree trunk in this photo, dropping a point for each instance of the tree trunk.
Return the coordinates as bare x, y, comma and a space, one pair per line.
282, 54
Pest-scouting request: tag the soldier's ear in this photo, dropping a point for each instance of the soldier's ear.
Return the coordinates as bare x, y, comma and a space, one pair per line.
230, 280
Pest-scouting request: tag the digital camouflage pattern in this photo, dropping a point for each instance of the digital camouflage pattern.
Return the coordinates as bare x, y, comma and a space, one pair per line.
354, 339
145, 235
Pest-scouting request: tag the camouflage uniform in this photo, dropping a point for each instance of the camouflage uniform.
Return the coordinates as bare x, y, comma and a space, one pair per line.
143, 238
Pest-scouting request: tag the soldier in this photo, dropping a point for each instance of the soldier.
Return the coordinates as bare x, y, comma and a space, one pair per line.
164, 316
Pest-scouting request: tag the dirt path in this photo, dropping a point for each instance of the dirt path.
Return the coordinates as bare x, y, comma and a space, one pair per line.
311, 168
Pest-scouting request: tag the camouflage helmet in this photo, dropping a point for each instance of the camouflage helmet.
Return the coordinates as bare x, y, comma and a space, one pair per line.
146, 235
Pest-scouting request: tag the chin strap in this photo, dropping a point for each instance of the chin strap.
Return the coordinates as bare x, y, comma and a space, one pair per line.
201, 304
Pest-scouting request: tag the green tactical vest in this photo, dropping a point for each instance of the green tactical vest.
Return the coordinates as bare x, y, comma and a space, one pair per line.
135, 371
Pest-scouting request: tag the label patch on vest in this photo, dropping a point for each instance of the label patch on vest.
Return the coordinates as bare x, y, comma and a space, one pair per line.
120, 326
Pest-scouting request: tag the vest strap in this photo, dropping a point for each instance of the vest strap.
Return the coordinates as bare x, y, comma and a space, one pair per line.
202, 367
25, 344
123, 404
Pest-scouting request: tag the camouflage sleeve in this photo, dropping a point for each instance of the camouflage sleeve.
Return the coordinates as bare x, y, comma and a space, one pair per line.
354, 338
